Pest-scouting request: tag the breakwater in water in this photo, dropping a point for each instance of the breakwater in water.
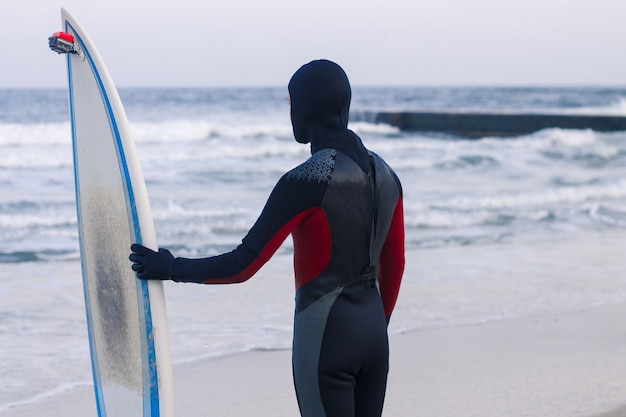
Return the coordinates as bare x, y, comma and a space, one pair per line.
482, 124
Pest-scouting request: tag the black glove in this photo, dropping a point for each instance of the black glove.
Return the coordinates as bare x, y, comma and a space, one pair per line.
149, 264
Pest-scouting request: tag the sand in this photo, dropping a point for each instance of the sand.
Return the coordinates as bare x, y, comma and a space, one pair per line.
565, 365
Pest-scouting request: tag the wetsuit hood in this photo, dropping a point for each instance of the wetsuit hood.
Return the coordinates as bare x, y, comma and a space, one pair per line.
320, 100
320, 97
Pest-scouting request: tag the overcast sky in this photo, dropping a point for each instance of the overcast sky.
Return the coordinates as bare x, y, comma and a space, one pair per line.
381, 43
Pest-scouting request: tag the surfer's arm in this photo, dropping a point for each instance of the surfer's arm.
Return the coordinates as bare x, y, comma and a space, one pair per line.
232, 267
288, 205
229, 268
162, 265
391, 263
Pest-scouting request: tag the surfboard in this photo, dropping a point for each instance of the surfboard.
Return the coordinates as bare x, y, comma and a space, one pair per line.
126, 317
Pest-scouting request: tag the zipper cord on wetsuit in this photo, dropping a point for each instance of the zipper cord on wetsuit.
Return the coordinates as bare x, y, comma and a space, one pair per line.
370, 270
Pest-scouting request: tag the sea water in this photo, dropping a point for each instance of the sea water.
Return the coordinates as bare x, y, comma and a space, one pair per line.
211, 157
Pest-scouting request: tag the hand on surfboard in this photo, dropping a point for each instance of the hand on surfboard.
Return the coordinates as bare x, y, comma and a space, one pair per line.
149, 264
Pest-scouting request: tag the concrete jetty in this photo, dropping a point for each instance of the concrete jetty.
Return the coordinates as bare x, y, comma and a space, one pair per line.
477, 124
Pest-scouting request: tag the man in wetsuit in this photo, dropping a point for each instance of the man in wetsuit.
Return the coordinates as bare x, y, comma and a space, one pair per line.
343, 208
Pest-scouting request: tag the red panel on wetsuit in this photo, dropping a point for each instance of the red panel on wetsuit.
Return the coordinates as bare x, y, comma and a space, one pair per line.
311, 246
312, 249
391, 262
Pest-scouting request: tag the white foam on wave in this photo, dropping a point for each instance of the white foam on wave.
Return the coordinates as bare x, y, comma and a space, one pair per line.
539, 140
561, 195
423, 152
198, 130
176, 210
46, 134
35, 157
36, 220
608, 215
19, 134
364, 128
48, 145
223, 151
544, 138
535, 206
35, 145
438, 219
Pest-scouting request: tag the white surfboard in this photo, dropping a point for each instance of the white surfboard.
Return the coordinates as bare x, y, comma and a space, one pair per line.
126, 317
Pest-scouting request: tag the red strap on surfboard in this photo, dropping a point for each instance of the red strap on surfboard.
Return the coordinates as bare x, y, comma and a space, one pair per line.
64, 35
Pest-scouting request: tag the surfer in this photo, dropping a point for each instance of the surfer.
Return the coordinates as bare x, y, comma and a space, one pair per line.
343, 208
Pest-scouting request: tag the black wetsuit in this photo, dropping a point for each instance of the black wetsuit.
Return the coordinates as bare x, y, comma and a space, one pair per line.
346, 219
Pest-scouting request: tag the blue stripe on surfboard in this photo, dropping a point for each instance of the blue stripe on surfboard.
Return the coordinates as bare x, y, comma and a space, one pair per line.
149, 366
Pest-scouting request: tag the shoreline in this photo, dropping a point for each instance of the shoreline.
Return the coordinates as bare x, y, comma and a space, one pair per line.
567, 365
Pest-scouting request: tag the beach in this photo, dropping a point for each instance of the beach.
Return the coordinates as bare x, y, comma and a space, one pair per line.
567, 365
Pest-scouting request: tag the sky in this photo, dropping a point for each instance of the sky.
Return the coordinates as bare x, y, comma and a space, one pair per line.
195, 43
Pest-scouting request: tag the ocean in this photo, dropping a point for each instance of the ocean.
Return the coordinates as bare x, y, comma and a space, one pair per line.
211, 156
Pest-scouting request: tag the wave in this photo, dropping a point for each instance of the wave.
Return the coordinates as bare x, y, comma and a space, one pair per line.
58, 135
48, 255
17, 257
365, 128
174, 209
36, 398
614, 108
608, 215
40, 158
503, 210
202, 130
164, 131
20, 134
220, 354
40, 218
198, 130
563, 195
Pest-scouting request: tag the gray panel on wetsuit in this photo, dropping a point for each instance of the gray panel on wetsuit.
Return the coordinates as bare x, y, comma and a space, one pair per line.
309, 328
